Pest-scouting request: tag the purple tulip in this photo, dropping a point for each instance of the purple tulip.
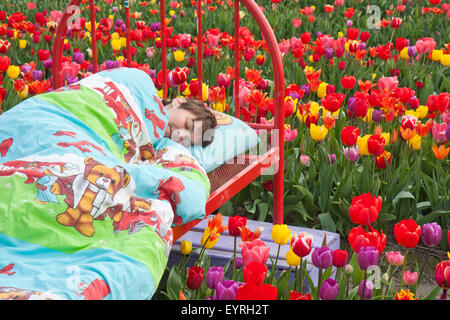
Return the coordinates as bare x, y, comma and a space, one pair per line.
431, 234
78, 57
306, 88
48, 63
377, 115
72, 80
119, 23
329, 289
36, 75
227, 290
331, 158
447, 132
214, 275
115, 9
412, 51
25, 68
349, 23
329, 53
322, 257
351, 153
155, 26
368, 290
367, 256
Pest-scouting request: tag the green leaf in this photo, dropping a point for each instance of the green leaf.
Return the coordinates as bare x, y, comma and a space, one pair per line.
263, 208
432, 216
433, 294
174, 284
327, 222
403, 195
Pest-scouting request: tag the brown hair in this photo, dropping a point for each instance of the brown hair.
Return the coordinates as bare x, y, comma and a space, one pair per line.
202, 113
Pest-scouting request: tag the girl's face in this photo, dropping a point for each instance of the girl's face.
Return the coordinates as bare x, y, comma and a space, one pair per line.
183, 128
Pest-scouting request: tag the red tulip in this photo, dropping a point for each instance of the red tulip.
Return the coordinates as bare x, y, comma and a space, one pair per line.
301, 244
364, 36
352, 33
333, 101
349, 135
195, 277
43, 54
306, 37
294, 295
340, 258
234, 225
407, 233
223, 80
260, 59
5, 61
250, 291
178, 75
358, 237
348, 82
396, 23
383, 160
255, 272
349, 12
442, 274
375, 144
365, 209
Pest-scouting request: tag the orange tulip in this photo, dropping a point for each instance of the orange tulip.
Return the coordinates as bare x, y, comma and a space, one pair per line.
441, 152
423, 129
407, 133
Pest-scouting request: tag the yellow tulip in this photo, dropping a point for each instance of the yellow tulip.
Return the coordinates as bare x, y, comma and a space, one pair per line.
314, 108
124, 41
299, 115
322, 90
160, 93
311, 59
186, 91
318, 133
387, 137
404, 53
13, 72
445, 60
22, 43
24, 93
171, 12
205, 92
362, 145
422, 111
116, 44
415, 142
436, 55
368, 116
219, 106
179, 55
281, 234
340, 34
186, 247
292, 259
115, 36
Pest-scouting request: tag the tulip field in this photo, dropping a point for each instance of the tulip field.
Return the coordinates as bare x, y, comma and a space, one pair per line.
367, 131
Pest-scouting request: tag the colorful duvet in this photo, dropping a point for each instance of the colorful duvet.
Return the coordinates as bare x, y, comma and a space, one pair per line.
89, 191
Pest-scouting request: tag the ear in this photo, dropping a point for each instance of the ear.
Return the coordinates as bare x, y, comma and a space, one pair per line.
126, 179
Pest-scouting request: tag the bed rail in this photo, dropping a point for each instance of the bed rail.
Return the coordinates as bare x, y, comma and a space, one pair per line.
273, 156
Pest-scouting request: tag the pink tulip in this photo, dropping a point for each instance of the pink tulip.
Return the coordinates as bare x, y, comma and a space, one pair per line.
55, 15
410, 278
212, 40
438, 132
304, 159
284, 46
425, 45
339, 3
389, 83
289, 134
255, 250
395, 258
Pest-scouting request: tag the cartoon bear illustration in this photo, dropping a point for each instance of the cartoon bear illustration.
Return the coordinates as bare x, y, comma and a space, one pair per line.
89, 194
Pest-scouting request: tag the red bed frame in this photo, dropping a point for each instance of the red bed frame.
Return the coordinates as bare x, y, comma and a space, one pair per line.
230, 178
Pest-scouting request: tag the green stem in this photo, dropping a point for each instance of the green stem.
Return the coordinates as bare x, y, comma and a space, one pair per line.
274, 267
234, 259
301, 274
364, 285
318, 283
403, 269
